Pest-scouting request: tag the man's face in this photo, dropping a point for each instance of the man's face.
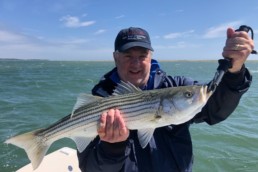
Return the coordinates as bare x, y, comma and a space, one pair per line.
133, 65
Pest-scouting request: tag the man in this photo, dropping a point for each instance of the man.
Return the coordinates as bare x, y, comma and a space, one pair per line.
170, 149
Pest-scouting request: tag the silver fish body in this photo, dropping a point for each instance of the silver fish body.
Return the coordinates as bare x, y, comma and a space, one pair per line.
141, 110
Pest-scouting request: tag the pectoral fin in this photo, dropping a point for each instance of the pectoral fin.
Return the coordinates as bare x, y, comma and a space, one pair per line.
144, 136
82, 142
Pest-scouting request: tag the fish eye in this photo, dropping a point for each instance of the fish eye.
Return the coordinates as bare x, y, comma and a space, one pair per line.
188, 94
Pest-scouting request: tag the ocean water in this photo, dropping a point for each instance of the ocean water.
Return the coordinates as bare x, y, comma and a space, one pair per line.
35, 94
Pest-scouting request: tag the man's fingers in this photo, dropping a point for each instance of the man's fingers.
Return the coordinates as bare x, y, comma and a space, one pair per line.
116, 126
110, 124
102, 125
122, 127
230, 32
112, 127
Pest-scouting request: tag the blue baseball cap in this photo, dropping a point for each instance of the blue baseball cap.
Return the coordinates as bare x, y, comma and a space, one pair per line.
132, 37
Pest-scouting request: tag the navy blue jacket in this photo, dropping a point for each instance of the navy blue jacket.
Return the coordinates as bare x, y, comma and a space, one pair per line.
170, 148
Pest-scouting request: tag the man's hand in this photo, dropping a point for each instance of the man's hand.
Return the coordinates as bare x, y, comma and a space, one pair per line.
112, 127
238, 47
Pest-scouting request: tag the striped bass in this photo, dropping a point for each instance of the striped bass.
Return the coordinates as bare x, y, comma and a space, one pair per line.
141, 110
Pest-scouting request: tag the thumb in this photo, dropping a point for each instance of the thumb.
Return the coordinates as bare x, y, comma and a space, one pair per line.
230, 32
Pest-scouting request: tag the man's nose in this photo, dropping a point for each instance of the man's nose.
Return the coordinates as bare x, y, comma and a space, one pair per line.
135, 60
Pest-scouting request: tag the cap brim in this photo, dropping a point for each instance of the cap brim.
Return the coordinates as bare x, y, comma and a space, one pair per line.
135, 44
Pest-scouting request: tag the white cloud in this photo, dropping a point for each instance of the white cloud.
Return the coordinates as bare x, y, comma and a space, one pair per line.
178, 34
172, 35
100, 31
23, 46
74, 22
119, 17
7, 37
220, 31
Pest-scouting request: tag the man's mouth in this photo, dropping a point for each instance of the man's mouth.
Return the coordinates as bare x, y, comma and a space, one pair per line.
134, 72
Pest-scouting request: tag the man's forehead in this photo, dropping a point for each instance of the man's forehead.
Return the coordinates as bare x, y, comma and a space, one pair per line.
144, 50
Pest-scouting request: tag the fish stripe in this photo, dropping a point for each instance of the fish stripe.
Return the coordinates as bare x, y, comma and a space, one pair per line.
134, 107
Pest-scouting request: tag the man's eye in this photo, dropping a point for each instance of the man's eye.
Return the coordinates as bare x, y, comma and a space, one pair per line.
143, 57
128, 56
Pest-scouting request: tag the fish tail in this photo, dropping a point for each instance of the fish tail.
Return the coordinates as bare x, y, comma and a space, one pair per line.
33, 145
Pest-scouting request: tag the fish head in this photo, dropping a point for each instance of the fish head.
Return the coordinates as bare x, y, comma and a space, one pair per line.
181, 104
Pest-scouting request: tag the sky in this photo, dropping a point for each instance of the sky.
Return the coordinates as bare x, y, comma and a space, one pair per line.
86, 29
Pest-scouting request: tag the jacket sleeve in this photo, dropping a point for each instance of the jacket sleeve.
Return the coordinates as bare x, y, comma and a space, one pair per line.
225, 98
103, 156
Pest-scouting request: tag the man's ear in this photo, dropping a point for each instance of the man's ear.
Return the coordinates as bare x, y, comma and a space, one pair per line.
115, 56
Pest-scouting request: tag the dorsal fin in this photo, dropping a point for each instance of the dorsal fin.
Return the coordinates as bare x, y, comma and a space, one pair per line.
84, 99
125, 88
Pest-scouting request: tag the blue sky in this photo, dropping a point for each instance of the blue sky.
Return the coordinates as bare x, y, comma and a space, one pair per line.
86, 29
